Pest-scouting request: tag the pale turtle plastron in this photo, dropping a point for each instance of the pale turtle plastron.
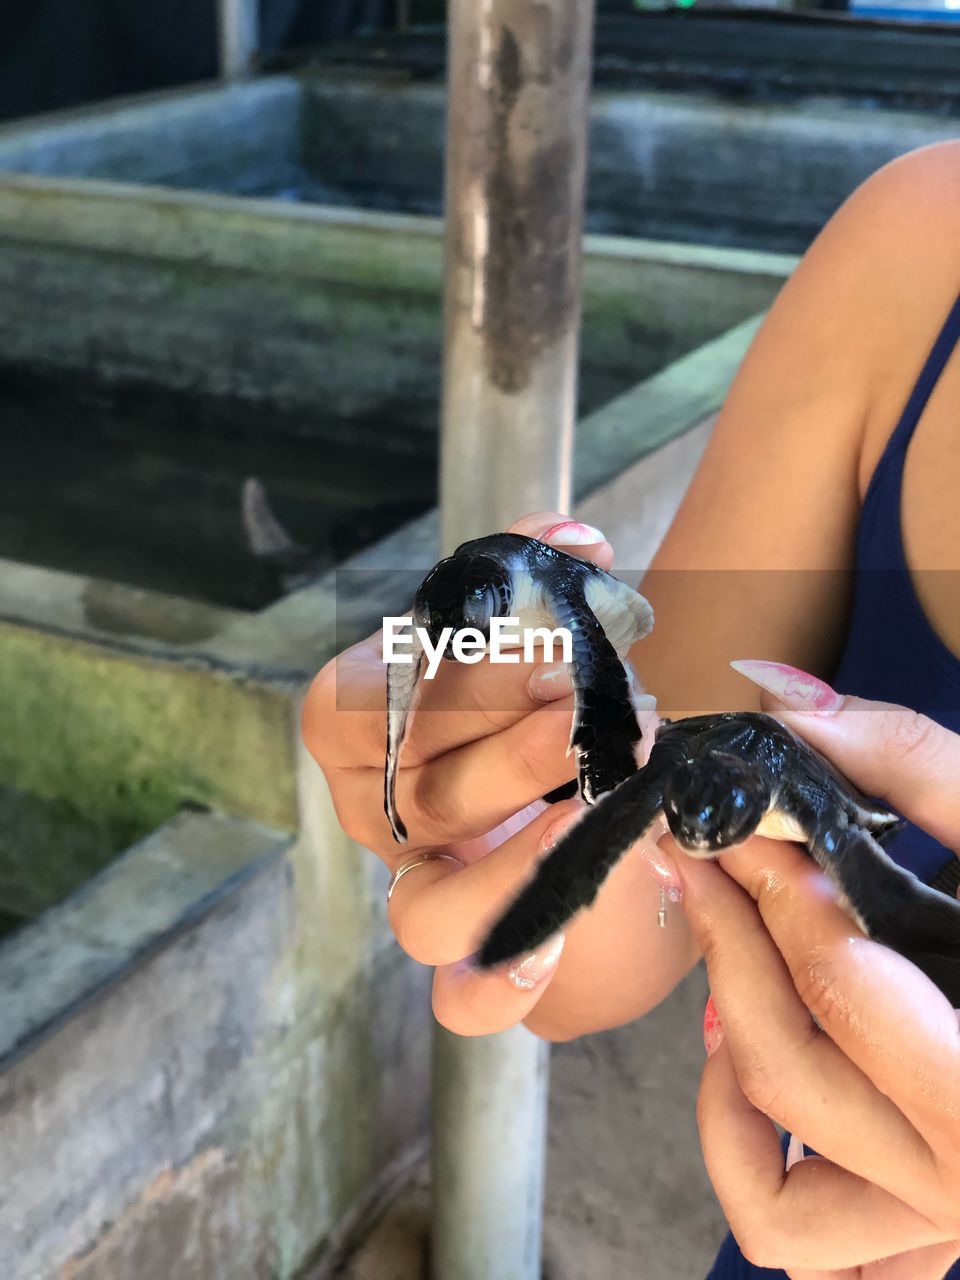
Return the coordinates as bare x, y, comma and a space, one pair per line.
510, 576
719, 779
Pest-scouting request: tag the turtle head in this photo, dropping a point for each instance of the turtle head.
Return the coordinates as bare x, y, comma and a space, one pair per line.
712, 802
462, 591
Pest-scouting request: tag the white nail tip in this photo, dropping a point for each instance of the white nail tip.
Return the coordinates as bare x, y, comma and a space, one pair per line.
576, 535
795, 1152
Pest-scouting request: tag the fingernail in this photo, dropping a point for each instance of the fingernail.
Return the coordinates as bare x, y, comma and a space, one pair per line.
797, 690
557, 830
798, 1153
571, 533
530, 970
550, 682
795, 1152
712, 1028
664, 870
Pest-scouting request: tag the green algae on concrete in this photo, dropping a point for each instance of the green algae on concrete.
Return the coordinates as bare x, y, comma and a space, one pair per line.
127, 740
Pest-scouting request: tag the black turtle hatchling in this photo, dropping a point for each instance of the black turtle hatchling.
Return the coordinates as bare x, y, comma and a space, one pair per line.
719, 779
510, 576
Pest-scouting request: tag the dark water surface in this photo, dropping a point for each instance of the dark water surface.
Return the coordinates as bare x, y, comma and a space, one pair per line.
145, 489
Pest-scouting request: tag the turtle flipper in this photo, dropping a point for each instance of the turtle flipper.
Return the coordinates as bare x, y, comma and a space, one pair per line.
623, 613
569, 877
402, 680
605, 729
893, 906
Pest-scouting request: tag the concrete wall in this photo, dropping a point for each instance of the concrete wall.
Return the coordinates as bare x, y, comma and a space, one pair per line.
690, 166
299, 319
211, 1059
676, 166
239, 138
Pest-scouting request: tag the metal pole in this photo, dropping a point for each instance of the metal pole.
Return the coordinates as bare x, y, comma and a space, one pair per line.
516, 158
238, 34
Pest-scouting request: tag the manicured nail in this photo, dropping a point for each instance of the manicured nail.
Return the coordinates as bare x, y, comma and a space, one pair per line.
664, 870
712, 1028
571, 533
550, 682
554, 833
795, 1152
529, 971
797, 690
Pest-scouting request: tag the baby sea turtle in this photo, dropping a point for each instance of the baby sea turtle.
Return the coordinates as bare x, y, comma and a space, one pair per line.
510, 576
718, 779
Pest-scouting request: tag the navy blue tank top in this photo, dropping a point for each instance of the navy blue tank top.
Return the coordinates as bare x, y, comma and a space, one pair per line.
893, 654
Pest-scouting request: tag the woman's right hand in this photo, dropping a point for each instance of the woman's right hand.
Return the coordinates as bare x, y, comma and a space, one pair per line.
485, 744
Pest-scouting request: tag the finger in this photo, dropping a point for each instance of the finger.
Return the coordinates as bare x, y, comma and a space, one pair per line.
889, 751
464, 792
485, 697
567, 534
470, 1002
460, 704
440, 914
870, 1001
817, 1216
786, 1066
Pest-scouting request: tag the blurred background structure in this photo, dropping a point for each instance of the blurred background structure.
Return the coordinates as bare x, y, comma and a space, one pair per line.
213, 1059
60, 53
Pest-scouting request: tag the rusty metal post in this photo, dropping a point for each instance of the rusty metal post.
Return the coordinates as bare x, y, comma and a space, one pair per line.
516, 161
519, 78
238, 36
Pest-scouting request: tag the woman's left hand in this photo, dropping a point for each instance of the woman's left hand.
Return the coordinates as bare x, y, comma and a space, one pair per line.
838, 1039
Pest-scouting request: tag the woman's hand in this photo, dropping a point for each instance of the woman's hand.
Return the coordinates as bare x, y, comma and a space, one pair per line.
841, 1041
485, 744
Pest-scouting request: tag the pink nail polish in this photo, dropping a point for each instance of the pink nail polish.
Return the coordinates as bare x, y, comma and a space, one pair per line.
664, 870
550, 682
712, 1028
557, 830
795, 1152
571, 533
530, 970
797, 690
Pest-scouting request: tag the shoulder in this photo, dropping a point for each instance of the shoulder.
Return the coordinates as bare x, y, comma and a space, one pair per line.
827, 375
894, 250
898, 234
890, 255
917, 186
844, 341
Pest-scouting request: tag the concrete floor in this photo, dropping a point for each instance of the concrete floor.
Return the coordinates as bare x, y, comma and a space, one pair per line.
627, 1195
